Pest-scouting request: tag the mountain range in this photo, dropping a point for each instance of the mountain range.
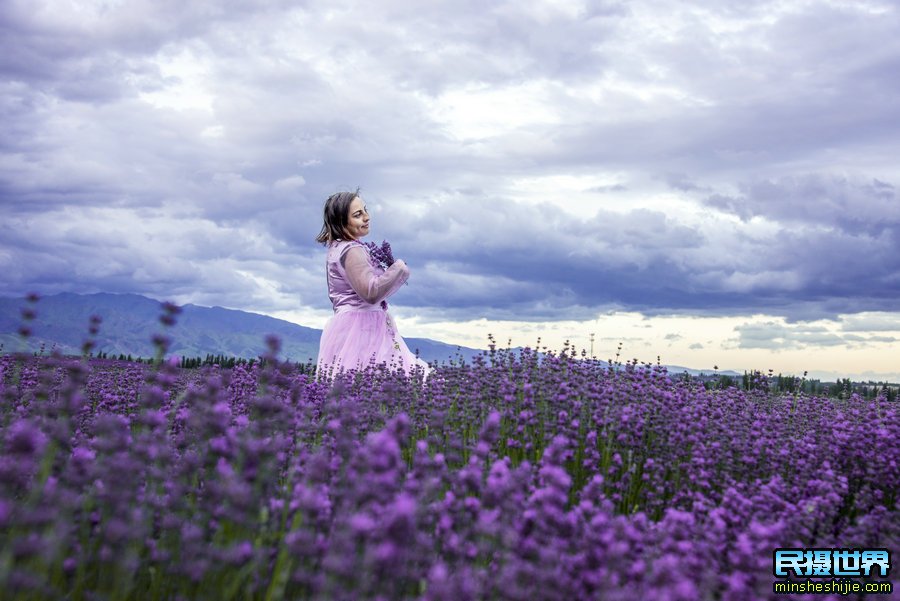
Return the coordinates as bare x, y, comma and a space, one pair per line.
129, 322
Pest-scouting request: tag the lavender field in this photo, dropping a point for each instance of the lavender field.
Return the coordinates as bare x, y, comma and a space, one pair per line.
519, 476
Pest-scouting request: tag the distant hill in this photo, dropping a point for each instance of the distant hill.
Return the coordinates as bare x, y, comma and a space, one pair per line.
131, 320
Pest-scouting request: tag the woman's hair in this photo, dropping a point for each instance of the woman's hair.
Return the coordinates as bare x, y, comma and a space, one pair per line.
336, 211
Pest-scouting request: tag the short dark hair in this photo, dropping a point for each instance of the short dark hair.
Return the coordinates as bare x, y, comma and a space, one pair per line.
335, 213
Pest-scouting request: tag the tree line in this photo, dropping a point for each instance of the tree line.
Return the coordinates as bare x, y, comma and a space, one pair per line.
223, 361
841, 388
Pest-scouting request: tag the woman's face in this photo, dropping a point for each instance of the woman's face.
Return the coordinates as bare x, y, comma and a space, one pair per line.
357, 219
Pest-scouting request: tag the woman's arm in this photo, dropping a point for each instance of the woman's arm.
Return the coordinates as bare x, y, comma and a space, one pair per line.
371, 287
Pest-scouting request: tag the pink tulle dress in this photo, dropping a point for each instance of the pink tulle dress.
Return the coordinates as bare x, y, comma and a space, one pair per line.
362, 332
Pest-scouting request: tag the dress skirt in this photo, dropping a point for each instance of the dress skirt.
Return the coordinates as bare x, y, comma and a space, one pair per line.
356, 339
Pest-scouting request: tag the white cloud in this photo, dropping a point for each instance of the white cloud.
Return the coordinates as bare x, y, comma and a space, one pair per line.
293, 182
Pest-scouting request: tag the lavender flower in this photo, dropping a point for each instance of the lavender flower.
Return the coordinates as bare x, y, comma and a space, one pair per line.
382, 255
518, 475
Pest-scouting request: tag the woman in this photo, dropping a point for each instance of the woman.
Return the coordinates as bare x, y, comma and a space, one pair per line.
361, 332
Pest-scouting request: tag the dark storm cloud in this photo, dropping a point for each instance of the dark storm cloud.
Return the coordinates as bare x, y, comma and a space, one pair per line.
840, 236
76, 57
537, 262
855, 206
785, 113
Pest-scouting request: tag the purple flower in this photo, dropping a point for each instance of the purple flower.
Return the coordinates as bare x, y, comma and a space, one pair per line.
25, 439
362, 524
5, 511
504, 478
382, 255
239, 554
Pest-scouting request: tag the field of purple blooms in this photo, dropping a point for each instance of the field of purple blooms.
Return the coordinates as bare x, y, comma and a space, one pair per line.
519, 476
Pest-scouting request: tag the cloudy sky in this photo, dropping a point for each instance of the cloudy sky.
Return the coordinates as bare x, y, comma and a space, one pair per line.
714, 182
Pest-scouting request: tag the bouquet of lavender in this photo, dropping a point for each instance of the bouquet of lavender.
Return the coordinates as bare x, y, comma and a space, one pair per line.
381, 255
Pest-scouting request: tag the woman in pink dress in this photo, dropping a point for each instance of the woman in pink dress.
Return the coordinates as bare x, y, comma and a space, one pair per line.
361, 332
